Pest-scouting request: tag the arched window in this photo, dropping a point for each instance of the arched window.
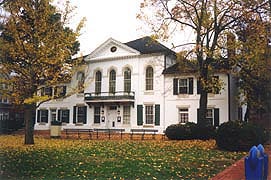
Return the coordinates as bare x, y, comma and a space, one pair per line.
149, 78
127, 80
98, 82
81, 80
112, 81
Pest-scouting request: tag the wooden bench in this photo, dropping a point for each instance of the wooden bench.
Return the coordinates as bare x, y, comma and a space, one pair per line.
109, 132
78, 132
143, 132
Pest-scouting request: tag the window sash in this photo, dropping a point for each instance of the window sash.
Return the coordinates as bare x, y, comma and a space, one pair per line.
183, 115
53, 115
126, 114
4, 116
112, 82
81, 80
149, 115
98, 82
183, 86
81, 114
64, 115
149, 78
97, 114
43, 116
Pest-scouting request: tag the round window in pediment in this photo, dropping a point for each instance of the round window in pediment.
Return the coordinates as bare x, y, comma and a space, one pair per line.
113, 49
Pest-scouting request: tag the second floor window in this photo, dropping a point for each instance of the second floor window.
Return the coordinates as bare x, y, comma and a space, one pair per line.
81, 80
127, 80
46, 91
112, 81
98, 82
149, 78
183, 86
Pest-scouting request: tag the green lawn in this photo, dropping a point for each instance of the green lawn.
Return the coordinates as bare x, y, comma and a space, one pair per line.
104, 159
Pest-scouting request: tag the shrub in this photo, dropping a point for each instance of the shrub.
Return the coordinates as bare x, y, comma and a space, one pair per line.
238, 136
181, 131
205, 132
190, 130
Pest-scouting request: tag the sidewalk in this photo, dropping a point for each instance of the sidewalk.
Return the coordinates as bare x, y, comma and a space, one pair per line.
237, 170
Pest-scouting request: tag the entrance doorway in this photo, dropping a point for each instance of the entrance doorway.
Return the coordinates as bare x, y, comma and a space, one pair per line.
112, 116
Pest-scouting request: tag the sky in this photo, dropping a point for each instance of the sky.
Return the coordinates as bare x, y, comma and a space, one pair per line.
105, 19
113, 19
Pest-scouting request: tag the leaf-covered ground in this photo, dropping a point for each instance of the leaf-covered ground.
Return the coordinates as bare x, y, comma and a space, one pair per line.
104, 159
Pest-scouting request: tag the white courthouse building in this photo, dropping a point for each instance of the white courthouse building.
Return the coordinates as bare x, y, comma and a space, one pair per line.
133, 85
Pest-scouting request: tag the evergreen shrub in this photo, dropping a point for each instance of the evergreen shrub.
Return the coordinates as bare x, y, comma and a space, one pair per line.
189, 131
239, 136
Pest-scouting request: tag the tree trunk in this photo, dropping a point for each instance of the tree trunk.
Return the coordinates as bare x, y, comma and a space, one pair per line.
203, 98
202, 108
29, 129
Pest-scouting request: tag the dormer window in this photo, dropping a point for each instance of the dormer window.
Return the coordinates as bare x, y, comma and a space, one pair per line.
113, 49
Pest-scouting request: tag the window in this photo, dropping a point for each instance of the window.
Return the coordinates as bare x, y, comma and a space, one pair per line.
4, 116
46, 91
60, 91
97, 114
126, 114
64, 115
4, 99
149, 78
212, 116
127, 80
42, 116
98, 82
112, 81
81, 80
80, 114
149, 114
53, 114
183, 86
183, 115
209, 116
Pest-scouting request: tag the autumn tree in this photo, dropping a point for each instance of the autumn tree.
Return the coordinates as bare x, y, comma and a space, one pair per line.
36, 49
210, 20
254, 61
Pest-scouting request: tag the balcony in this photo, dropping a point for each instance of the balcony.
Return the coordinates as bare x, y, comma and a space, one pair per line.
110, 98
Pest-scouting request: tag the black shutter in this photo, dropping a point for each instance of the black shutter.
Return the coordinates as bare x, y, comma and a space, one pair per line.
74, 114
85, 115
58, 115
198, 87
175, 86
216, 117
197, 116
47, 113
191, 85
139, 115
64, 90
157, 114
68, 118
50, 91
38, 116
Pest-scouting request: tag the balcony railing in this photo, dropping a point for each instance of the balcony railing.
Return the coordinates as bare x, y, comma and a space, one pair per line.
116, 96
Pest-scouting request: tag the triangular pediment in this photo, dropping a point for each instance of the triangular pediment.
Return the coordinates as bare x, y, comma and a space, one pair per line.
111, 49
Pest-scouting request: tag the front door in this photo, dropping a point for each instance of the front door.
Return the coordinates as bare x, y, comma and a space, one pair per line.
112, 116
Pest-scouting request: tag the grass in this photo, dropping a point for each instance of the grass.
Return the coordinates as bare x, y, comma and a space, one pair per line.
93, 159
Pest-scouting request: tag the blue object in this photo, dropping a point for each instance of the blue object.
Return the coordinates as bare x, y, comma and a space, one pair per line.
265, 160
256, 164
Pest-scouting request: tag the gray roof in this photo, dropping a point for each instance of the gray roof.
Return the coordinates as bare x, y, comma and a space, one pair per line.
147, 45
